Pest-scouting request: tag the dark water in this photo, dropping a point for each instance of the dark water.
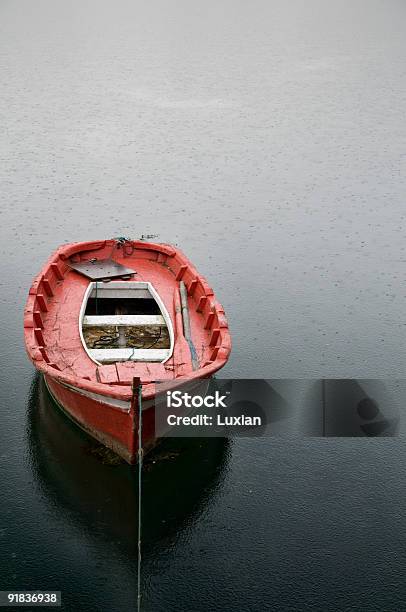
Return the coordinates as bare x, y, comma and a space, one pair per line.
267, 139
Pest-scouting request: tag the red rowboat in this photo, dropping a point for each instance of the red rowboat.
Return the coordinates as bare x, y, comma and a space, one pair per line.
101, 314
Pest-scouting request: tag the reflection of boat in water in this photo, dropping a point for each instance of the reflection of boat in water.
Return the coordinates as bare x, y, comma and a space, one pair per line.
179, 477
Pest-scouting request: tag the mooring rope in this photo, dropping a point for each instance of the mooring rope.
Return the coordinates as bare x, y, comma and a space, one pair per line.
140, 457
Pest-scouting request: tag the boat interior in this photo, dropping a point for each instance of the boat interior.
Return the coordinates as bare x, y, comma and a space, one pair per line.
124, 321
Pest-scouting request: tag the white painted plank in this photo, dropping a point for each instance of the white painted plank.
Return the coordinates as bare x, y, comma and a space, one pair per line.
124, 320
114, 284
136, 294
128, 354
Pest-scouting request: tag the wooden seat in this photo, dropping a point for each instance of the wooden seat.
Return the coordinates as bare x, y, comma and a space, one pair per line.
123, 320
128, 354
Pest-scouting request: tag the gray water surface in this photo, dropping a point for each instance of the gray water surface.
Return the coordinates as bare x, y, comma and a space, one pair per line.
267, 139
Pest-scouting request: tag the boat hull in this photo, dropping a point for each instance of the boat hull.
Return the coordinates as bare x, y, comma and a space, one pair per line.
112, 425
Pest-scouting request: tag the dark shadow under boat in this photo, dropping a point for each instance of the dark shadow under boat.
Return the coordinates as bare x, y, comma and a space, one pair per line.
179, 478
